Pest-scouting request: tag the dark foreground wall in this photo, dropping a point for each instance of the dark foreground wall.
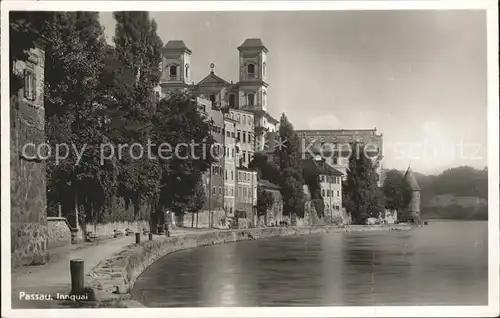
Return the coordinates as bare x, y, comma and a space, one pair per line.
28, 197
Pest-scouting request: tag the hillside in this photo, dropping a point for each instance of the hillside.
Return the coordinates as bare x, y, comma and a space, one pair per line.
457, 193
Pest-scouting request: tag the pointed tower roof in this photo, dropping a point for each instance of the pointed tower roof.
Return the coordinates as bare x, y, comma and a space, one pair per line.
177, 45
253, 44
412, 181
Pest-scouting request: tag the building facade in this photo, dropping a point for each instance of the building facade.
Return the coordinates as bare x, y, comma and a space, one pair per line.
334, 146
214, 177
230, 160
29, 231
246, 191
244, 135
331, 188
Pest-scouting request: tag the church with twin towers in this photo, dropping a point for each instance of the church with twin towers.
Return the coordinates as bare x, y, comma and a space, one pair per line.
249, 94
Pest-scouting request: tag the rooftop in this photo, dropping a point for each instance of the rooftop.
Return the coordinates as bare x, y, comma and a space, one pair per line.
177, 45
412, 181
253, 44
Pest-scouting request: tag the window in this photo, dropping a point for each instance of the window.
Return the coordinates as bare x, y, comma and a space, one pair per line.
251, 99
29, 85
322, 178
323, 192
212, 99
264, 68
233, 135
232, 100
244, 137
173, 72
238, 136
228, 134
226, 174
264, 98
338, 193
238, 117
251, 70
220, 190
225, 191
213, 190
244, 119
187, 71
232, 176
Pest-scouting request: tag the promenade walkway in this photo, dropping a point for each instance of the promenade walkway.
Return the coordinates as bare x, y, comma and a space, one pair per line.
54, 277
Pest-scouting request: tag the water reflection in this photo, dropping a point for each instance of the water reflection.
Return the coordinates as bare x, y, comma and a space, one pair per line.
442, 264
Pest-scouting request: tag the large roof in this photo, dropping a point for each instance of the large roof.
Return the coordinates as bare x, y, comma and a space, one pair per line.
252, 44
176, 45
412, 181
267, 184
322, 167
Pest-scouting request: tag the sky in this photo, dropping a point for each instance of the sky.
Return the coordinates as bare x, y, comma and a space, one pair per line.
419, 77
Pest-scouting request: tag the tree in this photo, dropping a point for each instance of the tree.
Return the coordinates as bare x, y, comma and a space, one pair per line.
311, 177
292, 192
265, 201
288, 159
178, 122
73, 59
397, 192
288, 154
265, 169
361, 195
136, 57
197, 200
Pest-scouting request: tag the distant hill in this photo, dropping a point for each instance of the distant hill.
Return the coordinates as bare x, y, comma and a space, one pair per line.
457, 193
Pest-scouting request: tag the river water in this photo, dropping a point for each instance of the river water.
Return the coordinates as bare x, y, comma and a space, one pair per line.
444, 263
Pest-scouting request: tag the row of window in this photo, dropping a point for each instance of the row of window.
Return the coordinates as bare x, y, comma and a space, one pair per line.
250, 99
330, 179
330, 193
335, 207
245, 176
246, 193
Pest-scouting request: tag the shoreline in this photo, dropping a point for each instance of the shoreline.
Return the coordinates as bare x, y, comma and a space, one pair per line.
113, 278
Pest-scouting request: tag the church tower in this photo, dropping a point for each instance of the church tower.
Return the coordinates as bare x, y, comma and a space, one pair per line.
253, 75
175, 67
414, 205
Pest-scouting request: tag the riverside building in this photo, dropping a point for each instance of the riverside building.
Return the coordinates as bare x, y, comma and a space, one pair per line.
333, 146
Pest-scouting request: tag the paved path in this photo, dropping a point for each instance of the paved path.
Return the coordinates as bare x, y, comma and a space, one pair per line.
54, 277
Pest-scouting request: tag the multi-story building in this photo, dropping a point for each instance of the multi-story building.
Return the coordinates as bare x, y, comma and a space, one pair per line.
214, 178
246, 191
244, 135
330, 184
248, 94
334, 146
230, 160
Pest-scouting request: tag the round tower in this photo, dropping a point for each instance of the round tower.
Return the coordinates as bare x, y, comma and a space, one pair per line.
414, 205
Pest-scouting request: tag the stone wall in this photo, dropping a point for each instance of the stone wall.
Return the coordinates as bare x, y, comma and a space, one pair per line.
106, 230
59, 232
189, 219
29, 232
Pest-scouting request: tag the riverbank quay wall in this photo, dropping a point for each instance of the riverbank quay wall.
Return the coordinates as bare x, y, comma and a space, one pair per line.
113, 278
